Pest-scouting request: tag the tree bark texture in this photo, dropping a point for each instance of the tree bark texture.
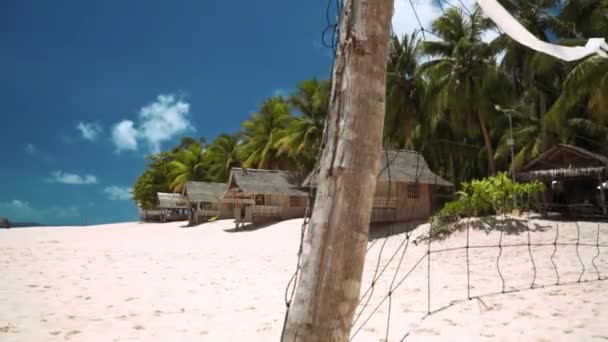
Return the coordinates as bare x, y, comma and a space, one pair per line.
335, 244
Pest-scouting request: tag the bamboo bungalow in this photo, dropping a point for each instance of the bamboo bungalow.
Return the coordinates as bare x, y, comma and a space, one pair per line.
406, 190
265, 195
149, 215
204, 202
575, 180
173, 207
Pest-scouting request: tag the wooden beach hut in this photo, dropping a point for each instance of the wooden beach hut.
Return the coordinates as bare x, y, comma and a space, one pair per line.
173, 207
265, 195
406, 189
149, 215
205, 201
576, 181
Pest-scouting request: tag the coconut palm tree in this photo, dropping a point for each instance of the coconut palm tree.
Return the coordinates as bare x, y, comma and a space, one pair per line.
187, 165
536, 76
261, 133
403, 91
464, 78
301, 139
589, 134
528, 140
584, 18
585, 86
222, 155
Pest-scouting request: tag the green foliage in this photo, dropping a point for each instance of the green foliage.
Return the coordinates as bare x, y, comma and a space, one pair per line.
222, 155
187, 164
261, 133
154, 179
489, 196
300, 141
442, 106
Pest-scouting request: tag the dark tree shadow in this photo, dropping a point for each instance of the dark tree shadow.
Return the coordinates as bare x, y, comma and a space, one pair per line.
382, 230
509, 225
251, 227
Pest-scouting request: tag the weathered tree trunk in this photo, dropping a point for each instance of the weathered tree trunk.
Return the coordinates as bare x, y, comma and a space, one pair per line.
335, 243
543, 124
453, 173
488, 142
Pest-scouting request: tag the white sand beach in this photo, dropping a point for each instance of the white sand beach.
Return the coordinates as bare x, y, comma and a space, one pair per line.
163, 282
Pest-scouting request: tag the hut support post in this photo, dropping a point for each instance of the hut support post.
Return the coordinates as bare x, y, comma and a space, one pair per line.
335, 243
603, 196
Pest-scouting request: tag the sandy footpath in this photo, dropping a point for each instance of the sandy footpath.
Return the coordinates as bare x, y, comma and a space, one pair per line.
163, 282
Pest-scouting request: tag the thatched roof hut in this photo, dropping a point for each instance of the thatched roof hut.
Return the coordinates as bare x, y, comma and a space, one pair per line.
196, 192
401, 166
205, 201
565, 161
247, 182
406, 190
4, 223
171, 201
260, 195
575, 181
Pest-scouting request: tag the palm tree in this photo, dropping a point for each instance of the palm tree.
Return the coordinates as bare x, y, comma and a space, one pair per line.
465, 81
584, 90
583, 96
187, 165
584, 18
187, 141
222, 155
527, 136
403, 91
262, 132
301, 139
536, 76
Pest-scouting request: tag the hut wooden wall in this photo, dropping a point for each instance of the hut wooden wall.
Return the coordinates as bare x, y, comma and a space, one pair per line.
289, 212
413, 208
398, 207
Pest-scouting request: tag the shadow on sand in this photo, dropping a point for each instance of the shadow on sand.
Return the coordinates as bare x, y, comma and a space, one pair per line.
383, 230
509, 225
251, 227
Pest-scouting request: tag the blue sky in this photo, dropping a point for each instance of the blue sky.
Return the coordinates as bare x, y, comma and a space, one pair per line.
89, 88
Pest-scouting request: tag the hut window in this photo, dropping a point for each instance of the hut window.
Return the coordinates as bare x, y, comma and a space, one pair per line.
413, 191
295, 201
260, 200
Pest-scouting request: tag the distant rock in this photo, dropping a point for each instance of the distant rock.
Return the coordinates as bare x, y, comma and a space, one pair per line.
4, 223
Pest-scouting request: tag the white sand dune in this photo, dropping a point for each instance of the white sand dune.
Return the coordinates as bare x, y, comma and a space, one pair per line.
162, 282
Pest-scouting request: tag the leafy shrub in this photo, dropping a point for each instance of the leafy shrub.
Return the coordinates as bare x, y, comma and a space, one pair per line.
489, 196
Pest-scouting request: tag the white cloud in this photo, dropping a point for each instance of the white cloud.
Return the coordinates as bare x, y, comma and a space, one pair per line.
30, 148
158, 122
163, 119
118, 193
20, 211
90, 131
72, 178
124, 136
